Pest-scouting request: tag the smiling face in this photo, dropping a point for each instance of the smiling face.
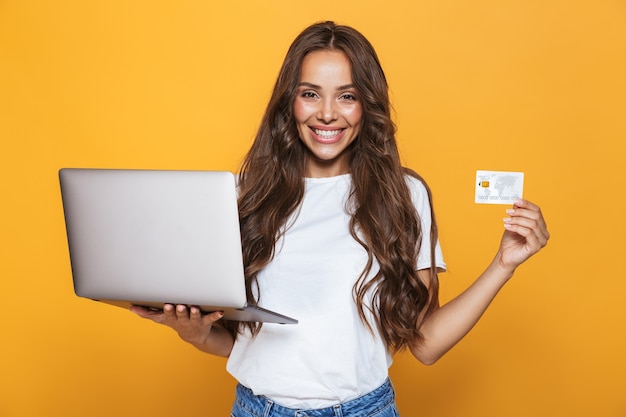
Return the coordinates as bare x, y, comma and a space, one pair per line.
327, 111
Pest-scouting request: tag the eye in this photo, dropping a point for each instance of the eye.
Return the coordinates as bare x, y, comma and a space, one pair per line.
349, 97
308, 94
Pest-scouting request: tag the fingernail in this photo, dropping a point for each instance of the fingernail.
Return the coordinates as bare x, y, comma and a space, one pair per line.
510, 211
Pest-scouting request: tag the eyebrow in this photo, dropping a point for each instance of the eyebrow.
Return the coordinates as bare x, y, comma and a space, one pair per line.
315, 86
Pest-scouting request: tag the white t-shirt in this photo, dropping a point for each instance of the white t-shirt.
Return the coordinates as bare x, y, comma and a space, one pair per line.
330, 356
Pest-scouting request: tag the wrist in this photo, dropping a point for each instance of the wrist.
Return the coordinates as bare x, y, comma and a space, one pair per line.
501, 269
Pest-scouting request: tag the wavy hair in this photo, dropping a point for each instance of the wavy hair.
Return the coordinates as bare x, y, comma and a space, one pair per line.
383, 220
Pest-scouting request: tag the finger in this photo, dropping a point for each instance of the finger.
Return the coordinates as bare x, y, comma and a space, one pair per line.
168, 310
214, 316
144, 312
520, 219
525, 212
181, 311
156, 316
195, 313
529, 230
524, 208
527, 208
520, 202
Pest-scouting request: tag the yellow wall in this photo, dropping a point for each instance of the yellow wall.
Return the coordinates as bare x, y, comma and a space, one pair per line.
535, 86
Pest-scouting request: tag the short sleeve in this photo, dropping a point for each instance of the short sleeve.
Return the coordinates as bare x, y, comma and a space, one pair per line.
420, 200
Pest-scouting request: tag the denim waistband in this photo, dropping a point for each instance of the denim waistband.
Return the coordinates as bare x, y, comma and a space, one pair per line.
362, 406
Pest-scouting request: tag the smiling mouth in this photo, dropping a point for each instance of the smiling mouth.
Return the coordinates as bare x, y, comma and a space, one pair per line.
327, 134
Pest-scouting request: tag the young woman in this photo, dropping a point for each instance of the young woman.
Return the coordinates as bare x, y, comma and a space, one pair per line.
338, 234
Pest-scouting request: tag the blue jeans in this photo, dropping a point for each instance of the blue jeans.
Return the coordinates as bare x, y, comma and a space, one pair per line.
378, 403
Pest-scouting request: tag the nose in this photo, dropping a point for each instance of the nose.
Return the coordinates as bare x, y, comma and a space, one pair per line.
327, 111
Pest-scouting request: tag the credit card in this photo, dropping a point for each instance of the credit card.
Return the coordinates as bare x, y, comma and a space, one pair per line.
498, 187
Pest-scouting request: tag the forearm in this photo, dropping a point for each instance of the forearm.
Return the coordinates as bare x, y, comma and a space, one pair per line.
447, 325
525, 234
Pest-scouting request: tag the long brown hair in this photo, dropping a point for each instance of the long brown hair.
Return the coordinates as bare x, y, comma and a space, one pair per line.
272, 187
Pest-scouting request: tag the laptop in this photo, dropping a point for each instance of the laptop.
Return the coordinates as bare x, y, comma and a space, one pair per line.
150, 237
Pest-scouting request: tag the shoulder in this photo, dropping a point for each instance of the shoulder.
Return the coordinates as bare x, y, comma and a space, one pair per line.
415, 183
417, 186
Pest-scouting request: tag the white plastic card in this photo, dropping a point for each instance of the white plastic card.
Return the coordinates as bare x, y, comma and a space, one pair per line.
498, 187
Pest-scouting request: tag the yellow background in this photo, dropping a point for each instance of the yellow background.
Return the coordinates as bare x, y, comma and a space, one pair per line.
528, 85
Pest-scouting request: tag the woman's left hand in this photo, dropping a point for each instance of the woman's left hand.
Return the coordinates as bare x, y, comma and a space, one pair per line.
526, 233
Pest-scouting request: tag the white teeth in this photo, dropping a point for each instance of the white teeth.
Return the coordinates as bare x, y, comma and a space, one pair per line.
326, 133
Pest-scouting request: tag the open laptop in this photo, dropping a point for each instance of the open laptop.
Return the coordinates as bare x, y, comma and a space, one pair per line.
150, 237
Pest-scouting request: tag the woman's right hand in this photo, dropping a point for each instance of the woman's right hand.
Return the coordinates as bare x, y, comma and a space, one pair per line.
192, 326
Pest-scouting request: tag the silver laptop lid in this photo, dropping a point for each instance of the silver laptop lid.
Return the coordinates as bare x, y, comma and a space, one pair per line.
154, 236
